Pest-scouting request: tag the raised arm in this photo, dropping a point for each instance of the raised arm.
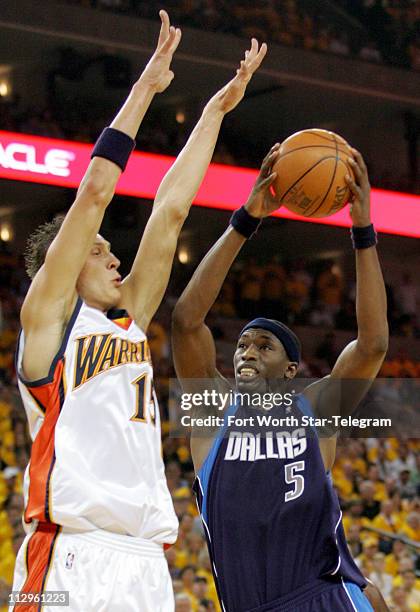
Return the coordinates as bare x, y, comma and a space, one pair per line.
193, 345
148, 279
363, 357
360, 361
53, 292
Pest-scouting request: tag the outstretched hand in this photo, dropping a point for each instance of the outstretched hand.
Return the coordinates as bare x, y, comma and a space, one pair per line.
261, 201
360, 190
157, 73
231, 94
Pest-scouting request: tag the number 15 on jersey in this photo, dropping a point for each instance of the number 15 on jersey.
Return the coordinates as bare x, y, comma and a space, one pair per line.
146, 405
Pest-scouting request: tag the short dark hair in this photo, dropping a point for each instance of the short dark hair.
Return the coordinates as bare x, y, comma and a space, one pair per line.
38, 244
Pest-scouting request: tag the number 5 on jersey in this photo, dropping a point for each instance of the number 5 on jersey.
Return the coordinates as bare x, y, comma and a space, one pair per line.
145, 402
297, 480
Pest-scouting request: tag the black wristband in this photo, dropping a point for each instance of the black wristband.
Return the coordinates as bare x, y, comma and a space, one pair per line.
363, 237
244, 223
115, 146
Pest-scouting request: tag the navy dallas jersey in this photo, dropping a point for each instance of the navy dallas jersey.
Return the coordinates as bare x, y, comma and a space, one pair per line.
273, 521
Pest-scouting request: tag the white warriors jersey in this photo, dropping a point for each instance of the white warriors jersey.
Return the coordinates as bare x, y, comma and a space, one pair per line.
94, 420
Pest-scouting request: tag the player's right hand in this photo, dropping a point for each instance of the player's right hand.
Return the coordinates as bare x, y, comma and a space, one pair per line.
261, 201
157, 73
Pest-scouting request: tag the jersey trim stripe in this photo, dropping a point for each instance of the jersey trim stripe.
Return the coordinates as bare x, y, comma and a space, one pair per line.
50, 377
200, 500
339, 557
205, 470
47, 492
119, 317
49, 563
41, 406
48, 496
43, 450
26, 559
358, 599
40, 552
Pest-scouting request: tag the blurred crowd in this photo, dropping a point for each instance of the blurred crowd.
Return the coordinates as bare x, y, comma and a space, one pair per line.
394, 25
383, 31
301, 293
378, 480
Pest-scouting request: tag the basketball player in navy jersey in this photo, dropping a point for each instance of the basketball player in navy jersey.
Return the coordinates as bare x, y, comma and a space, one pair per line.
97, 507
271, 516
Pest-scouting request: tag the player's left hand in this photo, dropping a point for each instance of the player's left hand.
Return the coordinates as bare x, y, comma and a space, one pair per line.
360, 190
157, 73
231, 94
261, 201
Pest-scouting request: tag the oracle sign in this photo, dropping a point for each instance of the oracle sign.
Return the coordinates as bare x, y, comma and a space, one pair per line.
60, 162
20, 156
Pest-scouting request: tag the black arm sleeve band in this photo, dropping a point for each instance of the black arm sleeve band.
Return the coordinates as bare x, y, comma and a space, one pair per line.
244, 223
363, 237
114, 146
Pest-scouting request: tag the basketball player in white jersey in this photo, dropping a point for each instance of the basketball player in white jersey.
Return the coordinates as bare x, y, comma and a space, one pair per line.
97, 507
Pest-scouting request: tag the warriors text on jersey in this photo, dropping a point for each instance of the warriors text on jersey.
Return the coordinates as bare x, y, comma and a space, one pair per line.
271, 516
96, 456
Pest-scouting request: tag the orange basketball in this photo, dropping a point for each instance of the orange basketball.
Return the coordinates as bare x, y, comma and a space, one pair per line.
310, 173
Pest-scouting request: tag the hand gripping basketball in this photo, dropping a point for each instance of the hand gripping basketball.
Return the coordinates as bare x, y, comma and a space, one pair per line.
360, 190
261, 201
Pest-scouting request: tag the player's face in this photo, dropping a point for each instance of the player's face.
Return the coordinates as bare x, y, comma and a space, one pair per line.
261, 363
99, 281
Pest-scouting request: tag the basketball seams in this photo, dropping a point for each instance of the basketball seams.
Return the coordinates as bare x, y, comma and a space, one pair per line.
311, 146
305, 173
302, 175
349, 170
315, 133
307, 214
332, 139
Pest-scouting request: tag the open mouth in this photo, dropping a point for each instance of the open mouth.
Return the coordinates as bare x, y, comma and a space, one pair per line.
247, 372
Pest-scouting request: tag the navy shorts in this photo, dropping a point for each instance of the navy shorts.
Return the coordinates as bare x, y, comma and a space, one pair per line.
320, 596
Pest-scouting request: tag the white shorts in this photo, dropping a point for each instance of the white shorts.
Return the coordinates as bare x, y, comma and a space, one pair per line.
102, 571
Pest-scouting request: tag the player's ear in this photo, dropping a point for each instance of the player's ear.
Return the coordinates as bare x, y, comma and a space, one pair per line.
291, 370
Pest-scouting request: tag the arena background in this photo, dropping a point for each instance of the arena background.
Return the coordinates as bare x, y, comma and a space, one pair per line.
351, 66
